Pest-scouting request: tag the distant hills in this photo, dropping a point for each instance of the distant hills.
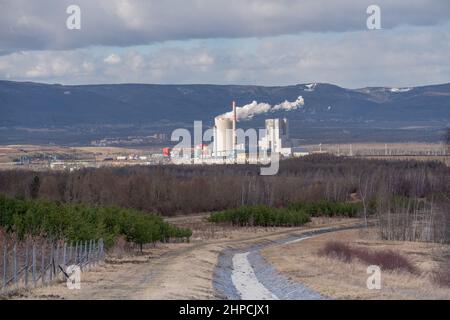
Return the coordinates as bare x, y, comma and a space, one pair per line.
95, 111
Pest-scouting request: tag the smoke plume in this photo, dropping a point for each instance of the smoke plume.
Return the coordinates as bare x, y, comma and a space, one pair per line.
250, 110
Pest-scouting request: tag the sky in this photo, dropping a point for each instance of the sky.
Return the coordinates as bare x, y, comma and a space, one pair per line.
256, 42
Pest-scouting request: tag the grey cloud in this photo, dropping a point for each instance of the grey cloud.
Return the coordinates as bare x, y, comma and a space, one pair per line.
400, 58
40, 25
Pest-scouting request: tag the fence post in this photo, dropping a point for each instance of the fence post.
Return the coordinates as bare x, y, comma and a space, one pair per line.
5, 263
52, 261
85, 251
95, 252
15, 262
26, 264
64, 253
101, 249
76, 253
34, 264
90, 254
80, 253
57, 253
43, 263
70, 253
56, 260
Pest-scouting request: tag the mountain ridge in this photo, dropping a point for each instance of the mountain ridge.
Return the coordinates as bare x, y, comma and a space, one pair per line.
40, 105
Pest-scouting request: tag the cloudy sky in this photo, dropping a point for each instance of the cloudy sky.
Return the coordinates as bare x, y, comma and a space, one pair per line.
262, 42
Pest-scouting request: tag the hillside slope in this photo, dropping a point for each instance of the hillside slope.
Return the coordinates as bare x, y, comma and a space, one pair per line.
35, 105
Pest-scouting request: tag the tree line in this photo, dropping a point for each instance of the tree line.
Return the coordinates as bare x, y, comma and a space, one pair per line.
173, 189
80, 222
178, 189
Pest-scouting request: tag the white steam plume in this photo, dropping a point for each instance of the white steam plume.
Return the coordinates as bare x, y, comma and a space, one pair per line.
252, 109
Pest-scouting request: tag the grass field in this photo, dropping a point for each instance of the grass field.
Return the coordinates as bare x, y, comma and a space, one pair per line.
304, 262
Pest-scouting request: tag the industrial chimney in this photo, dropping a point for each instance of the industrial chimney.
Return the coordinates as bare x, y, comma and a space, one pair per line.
234, 129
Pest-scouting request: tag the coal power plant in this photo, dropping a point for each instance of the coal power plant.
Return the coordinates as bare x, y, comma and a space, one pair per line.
231, 144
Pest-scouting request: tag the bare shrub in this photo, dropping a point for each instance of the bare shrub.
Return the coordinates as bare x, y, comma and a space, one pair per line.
405, 219
339, 250
121, 248
441, 276
385, 259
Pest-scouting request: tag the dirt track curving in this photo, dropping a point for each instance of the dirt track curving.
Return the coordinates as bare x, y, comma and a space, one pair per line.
169, 271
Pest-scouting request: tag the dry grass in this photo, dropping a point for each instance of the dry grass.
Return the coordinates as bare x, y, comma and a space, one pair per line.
169, 271
441, 275
203, 230
338, 279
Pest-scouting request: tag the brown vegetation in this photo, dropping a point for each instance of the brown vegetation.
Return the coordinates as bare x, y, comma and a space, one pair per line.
173, 189
442, 275
338, 279
385, 259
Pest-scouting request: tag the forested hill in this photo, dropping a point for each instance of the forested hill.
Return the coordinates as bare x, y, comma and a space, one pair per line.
34, 104
97, 111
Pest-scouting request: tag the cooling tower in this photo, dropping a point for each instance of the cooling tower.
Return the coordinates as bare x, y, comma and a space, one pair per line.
224, 136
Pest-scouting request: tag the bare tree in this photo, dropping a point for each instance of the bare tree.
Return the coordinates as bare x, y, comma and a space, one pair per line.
363, 186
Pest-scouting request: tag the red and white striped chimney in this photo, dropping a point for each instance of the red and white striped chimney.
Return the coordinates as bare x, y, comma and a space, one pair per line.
234, 127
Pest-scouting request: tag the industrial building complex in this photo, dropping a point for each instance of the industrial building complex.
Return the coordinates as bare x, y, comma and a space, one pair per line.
234, 145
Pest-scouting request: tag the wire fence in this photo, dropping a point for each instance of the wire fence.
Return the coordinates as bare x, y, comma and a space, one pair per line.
27, 264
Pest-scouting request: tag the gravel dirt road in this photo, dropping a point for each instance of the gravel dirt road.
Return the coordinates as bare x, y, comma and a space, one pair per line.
169, 271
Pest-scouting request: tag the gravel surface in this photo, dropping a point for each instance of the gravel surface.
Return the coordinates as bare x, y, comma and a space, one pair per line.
245, 274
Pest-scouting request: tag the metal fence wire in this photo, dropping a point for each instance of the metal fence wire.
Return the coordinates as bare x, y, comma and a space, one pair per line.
25, 264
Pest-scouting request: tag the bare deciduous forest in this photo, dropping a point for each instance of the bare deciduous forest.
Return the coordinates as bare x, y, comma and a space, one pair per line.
410, 197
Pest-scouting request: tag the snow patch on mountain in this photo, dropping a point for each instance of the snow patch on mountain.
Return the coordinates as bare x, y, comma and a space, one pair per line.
400, 90
310, 87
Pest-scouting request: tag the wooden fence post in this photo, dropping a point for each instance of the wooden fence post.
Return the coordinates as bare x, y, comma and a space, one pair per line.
90, 254
64, 253
102, 250
5, 263
70, 253
95, 252
52, 261
15, 262
76, 253
26, 264
43, 263
86, 251
34, 264
80, 252
57, 253
56, 260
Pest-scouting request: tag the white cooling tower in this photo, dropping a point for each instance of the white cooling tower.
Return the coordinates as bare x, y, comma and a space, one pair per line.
224, 135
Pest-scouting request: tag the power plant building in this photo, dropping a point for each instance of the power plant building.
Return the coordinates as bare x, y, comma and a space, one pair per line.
225, 147
277, 137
